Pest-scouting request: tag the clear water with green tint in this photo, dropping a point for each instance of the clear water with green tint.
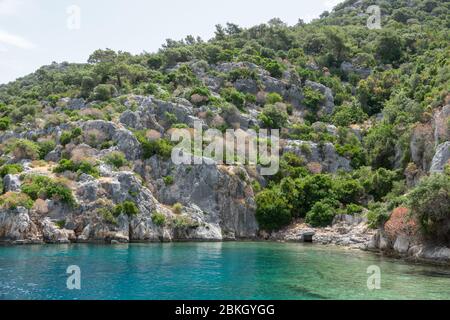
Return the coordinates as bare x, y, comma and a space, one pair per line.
232, 270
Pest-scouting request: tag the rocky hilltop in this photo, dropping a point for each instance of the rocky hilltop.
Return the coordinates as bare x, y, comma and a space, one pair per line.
364, 145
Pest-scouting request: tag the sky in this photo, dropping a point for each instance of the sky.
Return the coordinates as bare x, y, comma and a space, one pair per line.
37, 32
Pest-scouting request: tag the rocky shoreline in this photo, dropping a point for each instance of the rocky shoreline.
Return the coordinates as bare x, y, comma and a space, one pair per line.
347, 232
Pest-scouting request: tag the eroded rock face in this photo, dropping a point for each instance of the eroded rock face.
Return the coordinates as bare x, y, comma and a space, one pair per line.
16, 224
422, 146
328, 104
225, 200
441, 125
441, 158
154, 114
11, 183
123, 138
409, 247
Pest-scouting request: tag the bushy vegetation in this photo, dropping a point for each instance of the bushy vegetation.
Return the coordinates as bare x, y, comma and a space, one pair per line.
159, 147
10, 169
42, 187
127, 208
399, 75
83, 166
13, 200
158, 219
116, 159
430, 204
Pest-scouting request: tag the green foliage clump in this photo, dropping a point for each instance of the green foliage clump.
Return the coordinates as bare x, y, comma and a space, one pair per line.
348, 114
273, 98
168, 180
380, 144
233, 96
13, 200
23, 149
107, 216
36, 186
273, 117
103, 92
322, 213
389, 47
67, 136
430, 204
273, 210
80, 167
177, 208
45, 147
10, 169
158, 219
5, 122
275, 68
312, 98
378, 215
160, 147
127, 208
116, 159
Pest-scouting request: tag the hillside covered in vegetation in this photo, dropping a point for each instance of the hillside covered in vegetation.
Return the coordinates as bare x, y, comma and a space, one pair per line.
364, 117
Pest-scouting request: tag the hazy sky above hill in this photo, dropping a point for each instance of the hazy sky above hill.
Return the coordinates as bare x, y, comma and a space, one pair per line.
36, 32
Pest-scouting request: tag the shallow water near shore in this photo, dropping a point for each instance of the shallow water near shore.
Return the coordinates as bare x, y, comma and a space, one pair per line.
229, 270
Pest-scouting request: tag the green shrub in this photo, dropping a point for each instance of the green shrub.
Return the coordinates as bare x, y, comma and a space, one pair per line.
273, 118
273, 210
79, 167
65, 138
103, 92
348, 114
107, 215
312, 98
310, 190
347, 190
184, 222
158, 219
4, 123
430, 204
273, 98
275, 68
116, 159
160, 147
20, 113
36, 186
233, 96
378, 215
388, 47
13, 200
60, 224
168, 180
241, 73
10, 169
24, 149
45, 147
127, 208
322, 213
353, 209
177, 208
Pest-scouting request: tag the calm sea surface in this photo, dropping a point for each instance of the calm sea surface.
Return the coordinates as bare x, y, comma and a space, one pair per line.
231, 270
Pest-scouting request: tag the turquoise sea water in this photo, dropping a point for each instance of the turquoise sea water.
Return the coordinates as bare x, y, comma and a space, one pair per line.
232, 270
